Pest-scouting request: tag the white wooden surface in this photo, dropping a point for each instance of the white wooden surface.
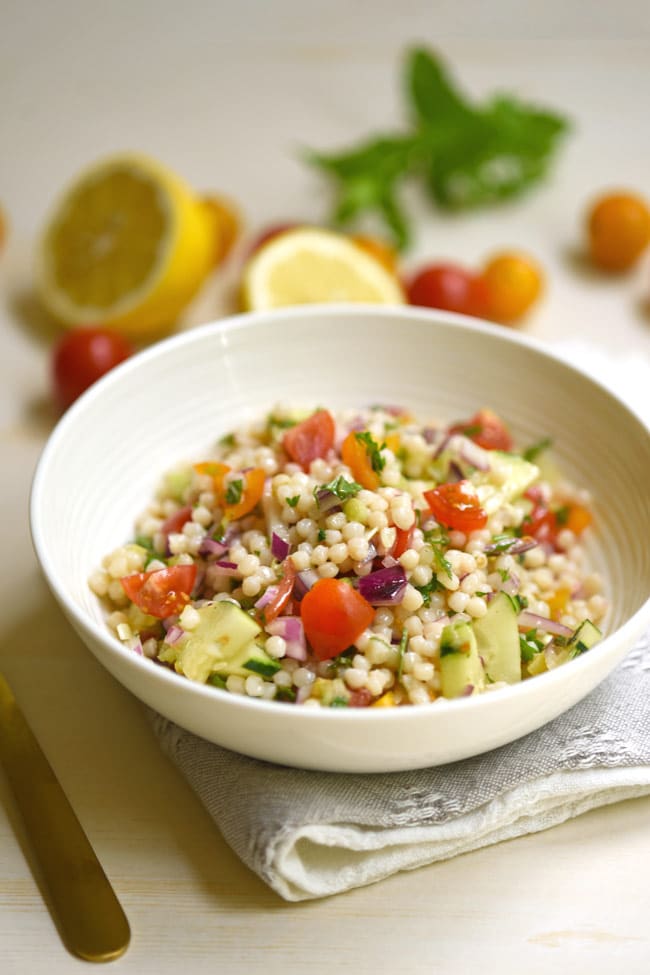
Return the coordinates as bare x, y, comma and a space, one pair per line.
228, 97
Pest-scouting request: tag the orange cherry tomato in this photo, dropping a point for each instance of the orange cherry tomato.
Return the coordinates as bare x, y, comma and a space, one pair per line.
311, 439
354, 454
618, 227
226, 223
162, 593
251, 490
514, 282
334, 615
378, 249
578, 519
456, 505
282, 595
486, 429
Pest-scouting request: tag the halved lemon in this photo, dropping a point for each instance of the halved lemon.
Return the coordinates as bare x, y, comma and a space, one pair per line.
312, 266
127, 247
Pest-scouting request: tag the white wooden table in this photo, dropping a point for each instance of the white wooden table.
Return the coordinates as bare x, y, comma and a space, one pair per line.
228, 98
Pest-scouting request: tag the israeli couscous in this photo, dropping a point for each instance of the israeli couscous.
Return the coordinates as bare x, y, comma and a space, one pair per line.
358, 559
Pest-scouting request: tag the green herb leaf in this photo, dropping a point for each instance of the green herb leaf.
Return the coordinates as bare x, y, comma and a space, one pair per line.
340, 487
562, 514
339, 702
529, 645
373, 450
532, 453
427, 590
228, 440
439, 541
403, 643
292, 502
469, 155
234, 491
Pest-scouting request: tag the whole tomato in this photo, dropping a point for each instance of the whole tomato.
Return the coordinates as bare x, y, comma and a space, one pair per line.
82, 356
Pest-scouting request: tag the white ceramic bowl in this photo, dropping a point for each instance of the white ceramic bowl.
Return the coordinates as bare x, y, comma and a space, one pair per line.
172, 401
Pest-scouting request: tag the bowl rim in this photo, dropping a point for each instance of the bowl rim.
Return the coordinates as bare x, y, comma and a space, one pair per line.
627, 632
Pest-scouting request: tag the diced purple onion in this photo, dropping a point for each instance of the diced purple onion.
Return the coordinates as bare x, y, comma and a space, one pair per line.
472, 454
467, 691
430, 434
454, 474
223, 568
267, 597
173, 635
327, 500
304, 582
211, 547
135, 645
516, 547
441, 446
510, 584
291, 630
280, 545
385, 587
530, 621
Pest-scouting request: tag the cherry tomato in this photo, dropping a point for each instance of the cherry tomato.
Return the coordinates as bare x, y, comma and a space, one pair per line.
486, 429
282, 594
175, 522
360, 699
450, 287
269, 233
456, 505
251, 492
378, 249
578, 518
226, 223
354, 454
514, 282
81, 357
334, 615
403, 541
311, 439
618, 227
162, 593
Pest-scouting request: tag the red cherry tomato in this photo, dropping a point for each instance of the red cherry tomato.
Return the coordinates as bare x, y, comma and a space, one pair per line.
310, 439
486, 429
81, 357
162, 593
451, 288
334, 615
403, 541
269, 233
175, 522
282, 594
456, 505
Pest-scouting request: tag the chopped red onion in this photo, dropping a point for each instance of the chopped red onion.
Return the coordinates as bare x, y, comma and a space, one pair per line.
174, 633
280, 545
510, 584
441, 446
429, 434
304, 582
211, 547
267, 597
327, 500
135, 645
291, 630
385, 587
472, 454
454, 473
516, 547
467, 691
530, 621
225, 568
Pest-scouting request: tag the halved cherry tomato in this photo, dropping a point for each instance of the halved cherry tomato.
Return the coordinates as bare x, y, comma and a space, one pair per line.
176, 521
252, 490
311, 439
354, 454
456, 505
486, 429
282, 595
334, 615
215, 470
403, 541
162, 593
578, 518
361, 698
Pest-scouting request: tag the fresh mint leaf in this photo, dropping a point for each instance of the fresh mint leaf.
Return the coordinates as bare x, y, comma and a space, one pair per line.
340, 487
234, 491
532, 453
292, 502
373, 450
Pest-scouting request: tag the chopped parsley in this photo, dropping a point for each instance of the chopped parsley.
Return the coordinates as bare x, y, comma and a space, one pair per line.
501, 543
292, 502
439, 540
321, 534
217, 681
403, 643
562, 514
228, 440
427, 590
234, 491
532, 453
285, 694
340, 487
518, 602
373, 450
529, 645
339, 702
144, 541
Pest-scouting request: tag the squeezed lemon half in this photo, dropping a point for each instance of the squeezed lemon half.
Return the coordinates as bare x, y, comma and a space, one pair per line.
312, 266
127, 246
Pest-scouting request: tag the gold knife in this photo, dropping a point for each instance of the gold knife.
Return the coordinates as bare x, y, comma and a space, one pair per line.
89, 916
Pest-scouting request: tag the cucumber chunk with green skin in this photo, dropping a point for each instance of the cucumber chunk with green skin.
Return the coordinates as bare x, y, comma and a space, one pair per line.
584, 638
461, 670
253, 659
224, 634
508, 476
497, 638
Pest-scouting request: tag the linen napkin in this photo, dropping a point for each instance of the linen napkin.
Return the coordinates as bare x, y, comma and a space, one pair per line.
312, 834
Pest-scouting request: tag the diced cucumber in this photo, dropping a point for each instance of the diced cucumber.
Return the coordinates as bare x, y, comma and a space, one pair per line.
584, 638
253, 659
223, 635
461, 670
507, 478
177, 481
497, 638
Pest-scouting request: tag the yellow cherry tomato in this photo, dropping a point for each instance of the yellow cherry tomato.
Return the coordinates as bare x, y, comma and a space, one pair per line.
618, 227
514, 282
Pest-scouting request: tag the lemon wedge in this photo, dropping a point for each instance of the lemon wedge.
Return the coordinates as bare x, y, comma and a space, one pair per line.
311, 266
127, 246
